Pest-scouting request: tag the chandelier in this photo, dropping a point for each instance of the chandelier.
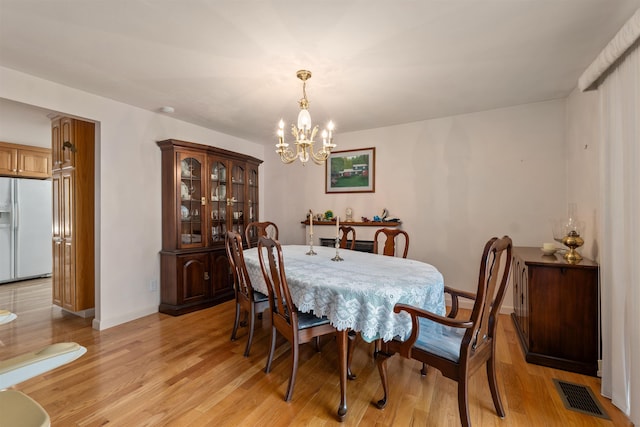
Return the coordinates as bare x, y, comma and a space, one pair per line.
304, 133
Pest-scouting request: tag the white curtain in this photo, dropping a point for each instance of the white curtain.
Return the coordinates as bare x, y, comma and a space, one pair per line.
620, 225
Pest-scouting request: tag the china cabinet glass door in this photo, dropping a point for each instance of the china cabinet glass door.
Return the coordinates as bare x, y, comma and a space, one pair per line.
252, 203
237, 202
191, 200
218, 200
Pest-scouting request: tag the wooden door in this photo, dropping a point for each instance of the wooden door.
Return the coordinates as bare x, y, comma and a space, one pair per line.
67, 231
193, 278
8, 160
56, 144
191, 200
57, 268
217, 168
34, 163
221, 274
252, 191
67, 143
519, 275
238, 202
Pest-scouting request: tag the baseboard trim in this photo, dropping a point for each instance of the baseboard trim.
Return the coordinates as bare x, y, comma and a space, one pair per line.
102, 324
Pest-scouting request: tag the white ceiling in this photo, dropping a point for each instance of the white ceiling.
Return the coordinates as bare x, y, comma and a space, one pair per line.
231, 65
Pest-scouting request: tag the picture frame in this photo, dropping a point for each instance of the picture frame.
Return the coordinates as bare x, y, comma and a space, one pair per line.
351, 171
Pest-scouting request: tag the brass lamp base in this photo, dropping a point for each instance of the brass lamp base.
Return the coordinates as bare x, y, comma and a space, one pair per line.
573, 241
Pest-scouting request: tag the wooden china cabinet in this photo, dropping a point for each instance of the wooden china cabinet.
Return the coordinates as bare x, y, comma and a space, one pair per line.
206, 191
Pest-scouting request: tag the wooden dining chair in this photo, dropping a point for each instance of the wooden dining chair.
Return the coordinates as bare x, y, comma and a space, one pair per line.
391, 234
297, 327
346, 233
248, 301
458, 347
257, 229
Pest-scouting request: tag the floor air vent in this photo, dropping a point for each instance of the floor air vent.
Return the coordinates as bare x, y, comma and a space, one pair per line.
580, 398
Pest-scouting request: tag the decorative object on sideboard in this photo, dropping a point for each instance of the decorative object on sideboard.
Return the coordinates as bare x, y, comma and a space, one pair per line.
384, 217
549, 249
304, 133
310, 219
337, 243
568, 232
349, 214
573, 240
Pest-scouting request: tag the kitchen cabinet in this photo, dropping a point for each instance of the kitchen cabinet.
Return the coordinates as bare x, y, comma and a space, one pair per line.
24, 161
206, 191
66, 134
556, 310
73, 242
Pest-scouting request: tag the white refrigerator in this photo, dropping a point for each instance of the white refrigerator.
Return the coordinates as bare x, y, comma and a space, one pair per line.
25, 229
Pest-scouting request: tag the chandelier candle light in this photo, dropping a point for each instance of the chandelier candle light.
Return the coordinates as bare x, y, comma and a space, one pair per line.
304, 133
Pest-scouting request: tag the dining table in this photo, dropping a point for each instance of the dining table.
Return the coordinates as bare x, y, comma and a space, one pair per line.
357, 293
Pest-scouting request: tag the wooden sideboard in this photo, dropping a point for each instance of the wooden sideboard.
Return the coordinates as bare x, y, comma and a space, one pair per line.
556, 310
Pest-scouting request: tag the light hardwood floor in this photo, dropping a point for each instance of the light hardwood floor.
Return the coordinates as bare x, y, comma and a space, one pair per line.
184, 371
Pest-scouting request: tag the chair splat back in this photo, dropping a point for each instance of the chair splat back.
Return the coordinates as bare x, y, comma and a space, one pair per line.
257, 229
248, 301
238, 266
389, 247
279, 295
346, 234
492, 285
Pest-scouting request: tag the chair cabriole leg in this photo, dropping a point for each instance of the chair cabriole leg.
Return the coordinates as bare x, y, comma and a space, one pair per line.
493, 385
236, 322
252, 321
381, 361
294, 370
352, 336
463, 402
272, 348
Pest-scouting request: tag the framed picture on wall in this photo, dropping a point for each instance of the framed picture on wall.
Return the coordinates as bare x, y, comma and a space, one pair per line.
351, 171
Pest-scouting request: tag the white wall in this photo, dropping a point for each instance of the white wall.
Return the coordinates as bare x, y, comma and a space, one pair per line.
24, 124
583, 164
127, 189
454, 183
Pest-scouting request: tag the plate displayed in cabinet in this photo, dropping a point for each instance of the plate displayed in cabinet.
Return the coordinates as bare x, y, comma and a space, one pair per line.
184, 212
186, 169
184, 191
191, 238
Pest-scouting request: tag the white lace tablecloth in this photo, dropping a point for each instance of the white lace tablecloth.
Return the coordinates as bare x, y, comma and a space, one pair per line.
358, 293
